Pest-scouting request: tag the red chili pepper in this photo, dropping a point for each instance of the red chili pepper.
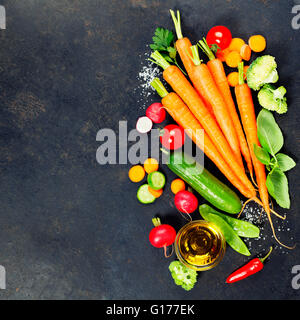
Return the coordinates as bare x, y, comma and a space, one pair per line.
252, 267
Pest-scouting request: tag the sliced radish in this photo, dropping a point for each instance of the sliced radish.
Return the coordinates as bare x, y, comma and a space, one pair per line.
144, 125
156, 112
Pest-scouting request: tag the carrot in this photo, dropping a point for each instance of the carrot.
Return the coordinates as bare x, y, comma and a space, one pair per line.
203, 81
233, 59
177, 185
185, 118
236, 44
247, 112
136, 173
188, 94
257, 43
155, 193
150, 165
217, 70
183, 46
245, 52
233, 78
222, 54
245, 72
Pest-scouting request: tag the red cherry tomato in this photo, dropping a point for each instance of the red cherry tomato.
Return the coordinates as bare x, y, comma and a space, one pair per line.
162, 236
173, 137
220, 36
156, 112
186, 201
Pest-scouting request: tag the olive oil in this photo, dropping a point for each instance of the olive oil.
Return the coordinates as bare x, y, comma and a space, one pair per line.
200, 245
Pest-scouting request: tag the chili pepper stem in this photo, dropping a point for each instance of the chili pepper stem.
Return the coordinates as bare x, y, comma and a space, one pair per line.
266, 256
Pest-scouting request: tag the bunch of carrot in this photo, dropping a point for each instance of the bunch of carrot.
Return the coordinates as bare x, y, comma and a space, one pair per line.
207, 104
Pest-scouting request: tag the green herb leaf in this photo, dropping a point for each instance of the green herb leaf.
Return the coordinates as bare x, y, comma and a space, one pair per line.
162, 39
269, 133
278, 188
261, 154
285, 163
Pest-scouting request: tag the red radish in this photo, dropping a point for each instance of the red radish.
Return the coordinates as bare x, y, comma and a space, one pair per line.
162, 236
186, 202
173, 137
156, 112
144, 125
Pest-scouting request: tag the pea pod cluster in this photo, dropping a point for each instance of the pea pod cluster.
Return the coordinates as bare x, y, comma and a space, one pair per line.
232, 228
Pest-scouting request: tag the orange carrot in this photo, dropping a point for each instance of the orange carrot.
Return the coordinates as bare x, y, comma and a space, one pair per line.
183, 46
236, 44
233, 78
189, 95
222, 54
247, 112
245, 52
184, 117
233, 59
217, 70
257, 43
203, 81
136, 173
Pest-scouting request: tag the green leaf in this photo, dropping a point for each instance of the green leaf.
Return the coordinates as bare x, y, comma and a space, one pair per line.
261, 154
162, 39
269, 133
278, 188
285, 162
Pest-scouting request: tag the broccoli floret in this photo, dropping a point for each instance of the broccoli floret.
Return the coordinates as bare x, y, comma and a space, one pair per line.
262, 70
273, 99
183, 276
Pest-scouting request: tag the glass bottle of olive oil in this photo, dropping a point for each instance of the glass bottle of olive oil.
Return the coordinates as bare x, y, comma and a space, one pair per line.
200, 245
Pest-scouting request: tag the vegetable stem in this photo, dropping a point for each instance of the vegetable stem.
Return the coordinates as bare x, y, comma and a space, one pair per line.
156, 222
206, 49
195, 55
177, 23
159, 87
159, 60
265, 257
241, 73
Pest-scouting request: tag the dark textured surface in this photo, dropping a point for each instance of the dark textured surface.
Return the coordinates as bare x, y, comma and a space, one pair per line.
70, 228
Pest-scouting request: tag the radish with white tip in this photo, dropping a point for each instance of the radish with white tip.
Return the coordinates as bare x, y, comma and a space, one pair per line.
144, 125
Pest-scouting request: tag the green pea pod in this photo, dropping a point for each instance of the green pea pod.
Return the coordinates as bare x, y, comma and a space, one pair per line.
235, 242
242, 228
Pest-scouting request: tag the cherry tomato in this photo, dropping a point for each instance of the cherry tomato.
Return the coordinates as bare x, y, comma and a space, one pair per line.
173, 137
220, 36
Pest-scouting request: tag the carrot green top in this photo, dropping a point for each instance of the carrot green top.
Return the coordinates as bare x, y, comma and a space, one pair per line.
195, 55
206, 49
159, 87
241, 73
177, 23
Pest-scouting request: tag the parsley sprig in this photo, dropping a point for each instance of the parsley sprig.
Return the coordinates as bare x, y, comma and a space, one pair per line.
163, 41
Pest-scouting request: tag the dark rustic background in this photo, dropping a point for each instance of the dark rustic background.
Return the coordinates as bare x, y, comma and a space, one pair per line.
70, 228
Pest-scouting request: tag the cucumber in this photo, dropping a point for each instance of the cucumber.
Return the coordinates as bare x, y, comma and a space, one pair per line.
156, 180
144, 196
207, 185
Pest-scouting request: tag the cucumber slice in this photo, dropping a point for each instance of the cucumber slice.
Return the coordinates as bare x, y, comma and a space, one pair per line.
156, 180
144, 196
